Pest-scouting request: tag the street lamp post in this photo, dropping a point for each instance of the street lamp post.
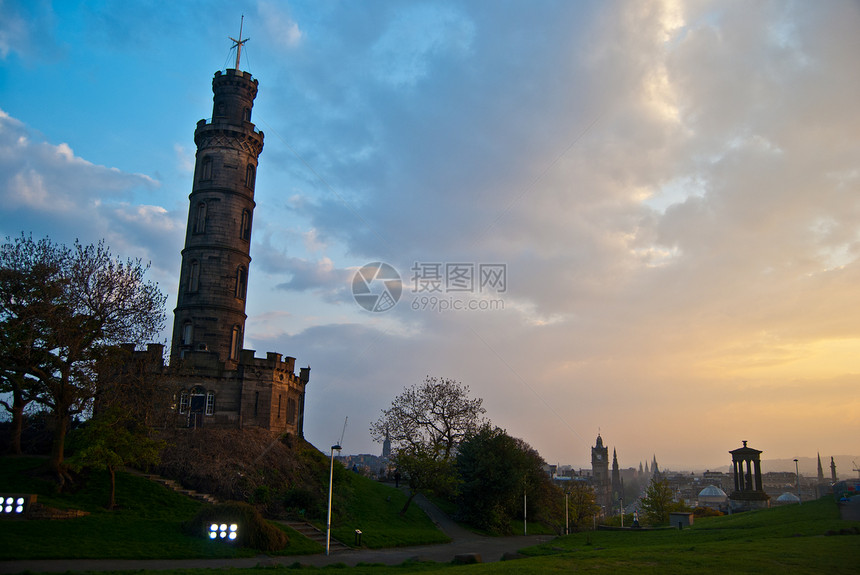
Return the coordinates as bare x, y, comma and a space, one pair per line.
566, 518
797, 476
525, 512
330, 480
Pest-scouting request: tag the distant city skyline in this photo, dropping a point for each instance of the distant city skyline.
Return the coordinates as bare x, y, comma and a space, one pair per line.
671, 189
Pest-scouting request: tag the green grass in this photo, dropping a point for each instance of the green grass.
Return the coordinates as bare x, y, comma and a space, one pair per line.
374, 508
784, 541
147, 524
149, 519
780, 540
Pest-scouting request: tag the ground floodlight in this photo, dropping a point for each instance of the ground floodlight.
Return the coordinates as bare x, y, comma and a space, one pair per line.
224, 531
15, 504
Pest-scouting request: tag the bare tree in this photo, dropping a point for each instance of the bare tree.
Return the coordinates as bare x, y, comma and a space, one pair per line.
425, 424
90, 303
436, 414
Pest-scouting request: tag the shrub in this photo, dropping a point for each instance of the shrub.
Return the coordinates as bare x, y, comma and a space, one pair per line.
706, 512
305, 502
254, 531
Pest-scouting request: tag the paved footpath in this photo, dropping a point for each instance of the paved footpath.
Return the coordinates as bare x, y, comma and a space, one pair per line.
462, 541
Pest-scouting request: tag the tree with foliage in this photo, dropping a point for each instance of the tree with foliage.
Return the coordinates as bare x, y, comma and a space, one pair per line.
658, 502
425, 424
89, 303
495, 470
29, 287
112, 439
581, 505
424, 470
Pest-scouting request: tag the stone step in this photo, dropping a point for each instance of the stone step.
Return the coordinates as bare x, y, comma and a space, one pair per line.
175, 486
314, 534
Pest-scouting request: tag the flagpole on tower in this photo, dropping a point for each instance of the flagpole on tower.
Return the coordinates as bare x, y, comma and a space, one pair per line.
238, 43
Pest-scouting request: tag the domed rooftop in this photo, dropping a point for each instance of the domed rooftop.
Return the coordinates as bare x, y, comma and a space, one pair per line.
787, 498
712, 491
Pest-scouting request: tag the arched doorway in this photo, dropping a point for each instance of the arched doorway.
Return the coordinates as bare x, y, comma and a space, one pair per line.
196, 407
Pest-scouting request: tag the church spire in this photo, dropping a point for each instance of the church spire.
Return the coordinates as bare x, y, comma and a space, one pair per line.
820, 470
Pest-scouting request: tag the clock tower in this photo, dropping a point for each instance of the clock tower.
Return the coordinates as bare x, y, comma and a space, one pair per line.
600, 474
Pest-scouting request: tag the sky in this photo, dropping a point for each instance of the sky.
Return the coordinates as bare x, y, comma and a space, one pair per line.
644, 216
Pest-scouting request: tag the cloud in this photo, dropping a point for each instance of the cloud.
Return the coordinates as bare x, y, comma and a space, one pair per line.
49, 190
278, 26
672, 186
667, 184
417, 37
320, 276
21, 29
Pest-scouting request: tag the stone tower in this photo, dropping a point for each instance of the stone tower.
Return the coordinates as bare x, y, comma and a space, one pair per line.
600, 473
213, 281
219, 383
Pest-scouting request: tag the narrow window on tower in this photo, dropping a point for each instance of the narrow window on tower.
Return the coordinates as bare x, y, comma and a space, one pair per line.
279, 406
250, 174
187, 333
241, 282
194, 276
210, 402
247, 114
206, 169
245, 231
235, 342
200, 218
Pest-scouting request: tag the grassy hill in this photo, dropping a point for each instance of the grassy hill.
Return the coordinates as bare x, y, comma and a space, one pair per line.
808, 538
794, 539
148, 521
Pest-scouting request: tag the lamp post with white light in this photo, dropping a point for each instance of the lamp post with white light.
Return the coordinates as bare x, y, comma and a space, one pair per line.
566, 517
797, 476
330, 479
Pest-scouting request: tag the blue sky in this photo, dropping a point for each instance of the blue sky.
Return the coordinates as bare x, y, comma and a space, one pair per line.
672, 187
